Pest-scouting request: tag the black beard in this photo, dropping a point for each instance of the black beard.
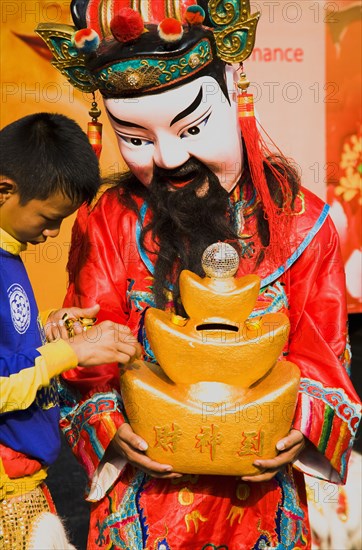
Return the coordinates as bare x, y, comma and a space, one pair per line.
185, 221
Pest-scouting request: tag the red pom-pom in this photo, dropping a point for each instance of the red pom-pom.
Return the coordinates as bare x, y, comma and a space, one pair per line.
127, 25
85, 40
170, 29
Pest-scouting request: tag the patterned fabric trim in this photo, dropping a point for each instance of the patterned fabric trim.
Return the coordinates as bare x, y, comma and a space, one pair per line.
275, 300
292, 528
267, 280
335, 399
339, 420
294, 257
139, 74
141, 251
97, 420
122, 526
346, 356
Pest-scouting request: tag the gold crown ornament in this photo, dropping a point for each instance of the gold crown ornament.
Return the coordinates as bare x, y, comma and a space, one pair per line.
133, 48
220, 397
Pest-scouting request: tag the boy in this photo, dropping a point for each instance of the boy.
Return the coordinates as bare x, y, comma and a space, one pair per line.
48, 169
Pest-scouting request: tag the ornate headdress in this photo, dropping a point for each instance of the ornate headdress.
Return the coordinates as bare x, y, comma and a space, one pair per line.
129, 48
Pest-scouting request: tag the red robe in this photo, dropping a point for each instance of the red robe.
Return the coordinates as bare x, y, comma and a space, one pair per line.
132, 511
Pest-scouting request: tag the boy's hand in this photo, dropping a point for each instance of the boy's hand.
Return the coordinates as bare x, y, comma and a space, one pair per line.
55, 327
290, 447
132, 447
106, 342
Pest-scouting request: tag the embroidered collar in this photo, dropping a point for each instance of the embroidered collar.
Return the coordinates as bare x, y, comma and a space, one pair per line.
11, 245
310, 219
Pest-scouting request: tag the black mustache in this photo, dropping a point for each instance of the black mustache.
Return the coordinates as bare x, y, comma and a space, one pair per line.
189, 169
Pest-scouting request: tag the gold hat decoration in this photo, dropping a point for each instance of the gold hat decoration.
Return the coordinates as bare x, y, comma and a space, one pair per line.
93, 55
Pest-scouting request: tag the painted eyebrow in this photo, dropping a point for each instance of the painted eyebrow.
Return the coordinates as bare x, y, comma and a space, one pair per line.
196, 102
124, 122
192, 107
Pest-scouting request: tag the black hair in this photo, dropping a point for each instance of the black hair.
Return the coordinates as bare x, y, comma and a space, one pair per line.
46, 152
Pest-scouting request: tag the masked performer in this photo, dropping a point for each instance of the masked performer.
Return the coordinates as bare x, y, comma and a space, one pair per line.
198, 174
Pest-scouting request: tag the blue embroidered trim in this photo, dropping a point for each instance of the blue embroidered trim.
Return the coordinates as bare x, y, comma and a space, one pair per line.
152, 73
142, 516
163, 545
127, 516
312, 233
344, 457
267, 280
142, 252
290, 522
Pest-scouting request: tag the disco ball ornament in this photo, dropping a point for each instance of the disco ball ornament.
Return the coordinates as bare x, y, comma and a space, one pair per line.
220, 260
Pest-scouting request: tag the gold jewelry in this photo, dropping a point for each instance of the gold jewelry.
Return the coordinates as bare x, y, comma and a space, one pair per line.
86, 322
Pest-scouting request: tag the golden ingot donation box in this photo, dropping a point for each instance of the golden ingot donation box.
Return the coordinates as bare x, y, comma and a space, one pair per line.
219, 398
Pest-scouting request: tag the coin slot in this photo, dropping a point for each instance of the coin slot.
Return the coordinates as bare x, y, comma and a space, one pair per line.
217, 326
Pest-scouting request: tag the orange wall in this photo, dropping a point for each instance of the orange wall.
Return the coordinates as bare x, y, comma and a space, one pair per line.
30, 84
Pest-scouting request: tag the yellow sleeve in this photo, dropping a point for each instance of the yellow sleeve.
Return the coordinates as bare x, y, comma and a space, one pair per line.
18, 389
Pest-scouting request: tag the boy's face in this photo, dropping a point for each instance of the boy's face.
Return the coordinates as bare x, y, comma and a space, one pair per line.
36, 220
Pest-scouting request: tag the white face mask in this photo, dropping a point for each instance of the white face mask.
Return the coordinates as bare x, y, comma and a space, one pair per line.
167, 129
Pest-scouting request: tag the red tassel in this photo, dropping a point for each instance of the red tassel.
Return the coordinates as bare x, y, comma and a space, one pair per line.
253, 147
94, 133
95, 128
260, 157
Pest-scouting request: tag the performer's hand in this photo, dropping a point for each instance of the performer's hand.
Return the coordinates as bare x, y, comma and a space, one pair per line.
55, 327
289, 447
132, 447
